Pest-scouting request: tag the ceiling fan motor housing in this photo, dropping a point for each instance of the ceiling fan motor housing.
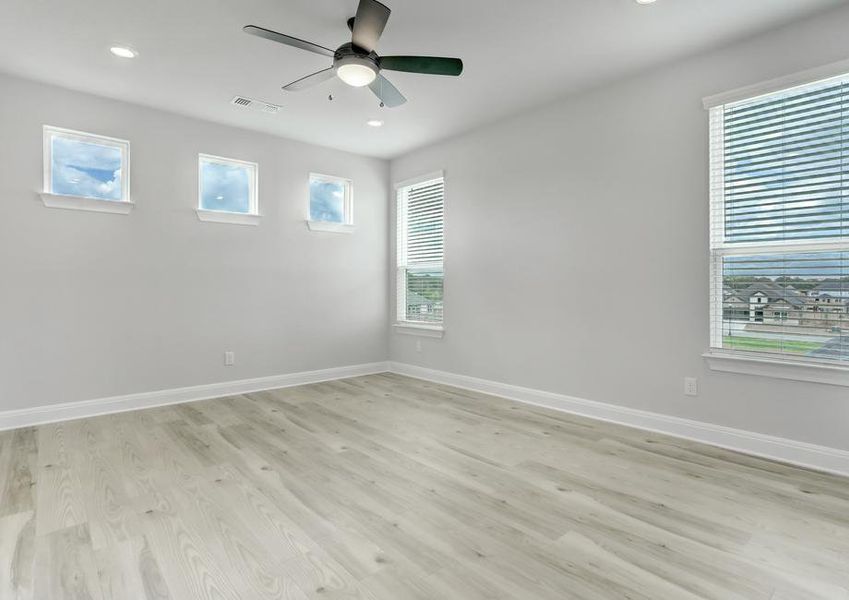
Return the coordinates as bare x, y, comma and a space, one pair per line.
350, 50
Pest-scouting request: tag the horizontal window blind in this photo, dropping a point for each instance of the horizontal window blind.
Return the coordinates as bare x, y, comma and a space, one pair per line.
420, 251
780, 223
424, 222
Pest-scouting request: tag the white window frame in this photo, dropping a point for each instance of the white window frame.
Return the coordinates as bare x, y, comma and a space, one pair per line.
402, 325
223, 216
753, 363
53, 200
347, 224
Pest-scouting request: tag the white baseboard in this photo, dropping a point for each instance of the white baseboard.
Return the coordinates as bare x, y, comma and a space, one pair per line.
820, 458
12, 419
811, 456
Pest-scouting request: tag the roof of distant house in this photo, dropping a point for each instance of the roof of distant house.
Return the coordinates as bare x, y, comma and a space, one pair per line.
773, 292
832, 286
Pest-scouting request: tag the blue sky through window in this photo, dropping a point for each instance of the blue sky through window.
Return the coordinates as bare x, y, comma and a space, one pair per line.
85, 169
225, 187
327, 200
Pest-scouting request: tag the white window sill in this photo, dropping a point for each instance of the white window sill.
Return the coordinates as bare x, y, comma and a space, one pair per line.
331, 227
119, 207
767, 366
433, 331
220, 216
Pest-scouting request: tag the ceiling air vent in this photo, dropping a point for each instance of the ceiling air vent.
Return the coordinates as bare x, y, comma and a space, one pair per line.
257, 105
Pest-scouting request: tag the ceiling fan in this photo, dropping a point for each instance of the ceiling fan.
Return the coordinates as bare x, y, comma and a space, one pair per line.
356, 62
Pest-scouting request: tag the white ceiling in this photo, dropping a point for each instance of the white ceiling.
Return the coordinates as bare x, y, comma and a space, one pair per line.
194, 57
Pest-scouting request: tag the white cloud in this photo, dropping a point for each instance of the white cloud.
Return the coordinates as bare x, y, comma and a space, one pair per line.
86, 169
226, 187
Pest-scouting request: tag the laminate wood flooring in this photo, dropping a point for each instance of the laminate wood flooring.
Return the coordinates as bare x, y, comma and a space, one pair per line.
386, 487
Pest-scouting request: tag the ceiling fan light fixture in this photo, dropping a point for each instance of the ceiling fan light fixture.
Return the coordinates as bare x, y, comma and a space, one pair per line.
355, 71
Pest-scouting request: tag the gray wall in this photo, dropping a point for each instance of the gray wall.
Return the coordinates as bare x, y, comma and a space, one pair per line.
577, 246
94, 305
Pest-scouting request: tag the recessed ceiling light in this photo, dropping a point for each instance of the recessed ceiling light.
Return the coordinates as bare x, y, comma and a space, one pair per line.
123, 52
645, 1
374, 123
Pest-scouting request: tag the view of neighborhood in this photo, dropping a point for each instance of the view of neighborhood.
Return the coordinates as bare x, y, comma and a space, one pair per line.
424, 297
790, 315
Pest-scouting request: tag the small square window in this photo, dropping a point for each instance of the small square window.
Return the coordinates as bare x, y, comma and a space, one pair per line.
227, 185
86, 166
330, 199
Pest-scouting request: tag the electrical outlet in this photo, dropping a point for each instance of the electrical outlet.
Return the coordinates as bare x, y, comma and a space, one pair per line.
418, 345
229, 358
691, 386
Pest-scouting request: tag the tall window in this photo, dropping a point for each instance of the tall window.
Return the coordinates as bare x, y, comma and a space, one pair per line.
780, 223
420, 251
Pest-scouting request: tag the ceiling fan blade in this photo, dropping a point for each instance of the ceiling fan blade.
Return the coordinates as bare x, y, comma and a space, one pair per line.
388, 93
429, 65
310, 80
369, 24
287, 39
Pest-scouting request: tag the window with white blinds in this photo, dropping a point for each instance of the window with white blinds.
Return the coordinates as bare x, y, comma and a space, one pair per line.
780, 224
420, 251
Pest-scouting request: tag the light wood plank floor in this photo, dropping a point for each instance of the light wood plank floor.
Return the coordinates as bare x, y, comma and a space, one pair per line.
385, 487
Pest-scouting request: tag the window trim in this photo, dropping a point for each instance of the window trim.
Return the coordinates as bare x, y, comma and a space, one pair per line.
225, 216
421, 179
779, 84
794, 369
347, 224
86, 203
420, 329
402, 325
330, 227
778, 366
